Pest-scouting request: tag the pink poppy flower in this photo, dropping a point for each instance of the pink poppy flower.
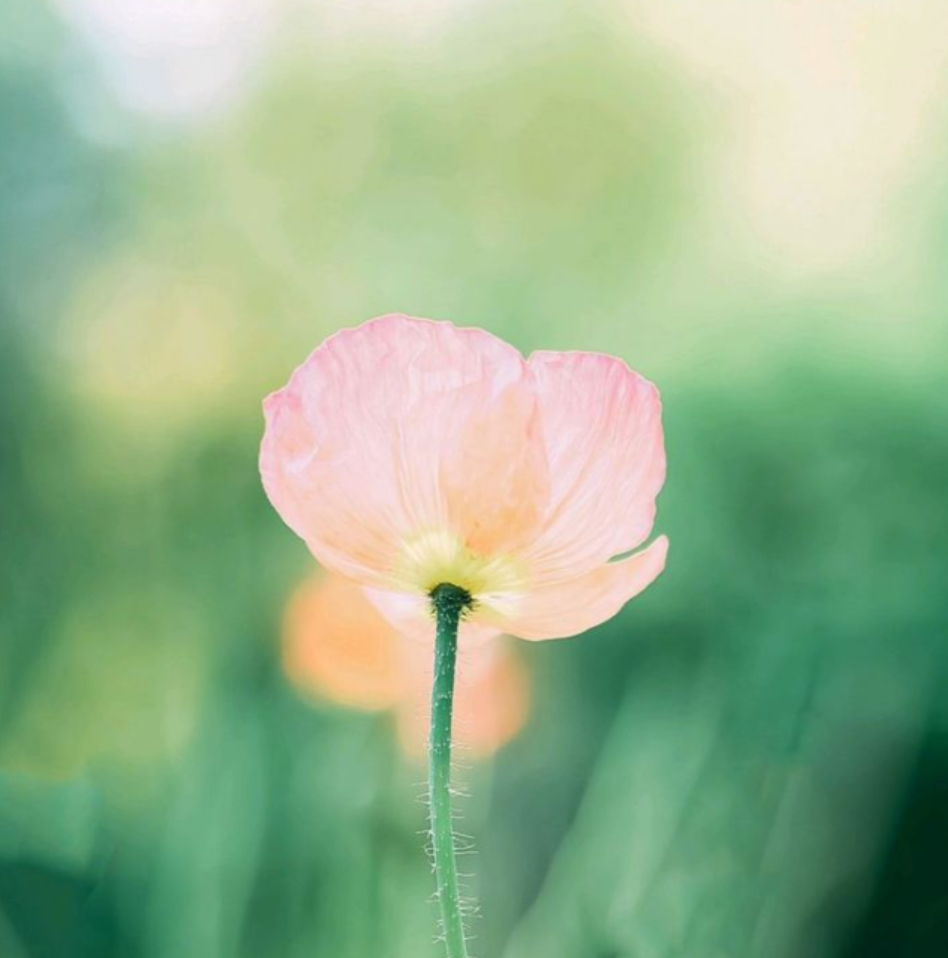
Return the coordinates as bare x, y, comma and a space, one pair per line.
409, 453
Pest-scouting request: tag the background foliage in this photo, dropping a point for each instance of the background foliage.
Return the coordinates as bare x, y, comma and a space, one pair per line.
748, 204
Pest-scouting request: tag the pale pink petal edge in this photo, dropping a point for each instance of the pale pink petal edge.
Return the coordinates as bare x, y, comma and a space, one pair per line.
569, 608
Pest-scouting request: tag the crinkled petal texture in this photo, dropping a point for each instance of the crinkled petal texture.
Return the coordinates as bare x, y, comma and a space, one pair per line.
407, 452
571, 606
602, 433
399, 429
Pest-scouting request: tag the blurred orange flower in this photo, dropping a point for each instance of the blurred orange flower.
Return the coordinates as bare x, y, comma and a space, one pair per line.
337, 646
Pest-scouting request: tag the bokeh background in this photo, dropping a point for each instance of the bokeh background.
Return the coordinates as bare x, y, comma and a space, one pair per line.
747, 200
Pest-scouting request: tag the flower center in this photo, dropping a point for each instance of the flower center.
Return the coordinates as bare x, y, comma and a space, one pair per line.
439, 556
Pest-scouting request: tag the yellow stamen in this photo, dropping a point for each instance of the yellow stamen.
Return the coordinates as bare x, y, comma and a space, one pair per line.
438, 556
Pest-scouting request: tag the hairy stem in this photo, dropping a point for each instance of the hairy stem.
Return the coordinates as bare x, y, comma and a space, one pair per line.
449, 602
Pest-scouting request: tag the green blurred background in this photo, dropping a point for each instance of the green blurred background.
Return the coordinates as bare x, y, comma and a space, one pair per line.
745, 200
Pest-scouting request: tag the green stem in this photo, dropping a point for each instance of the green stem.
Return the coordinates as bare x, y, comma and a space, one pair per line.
449, 602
